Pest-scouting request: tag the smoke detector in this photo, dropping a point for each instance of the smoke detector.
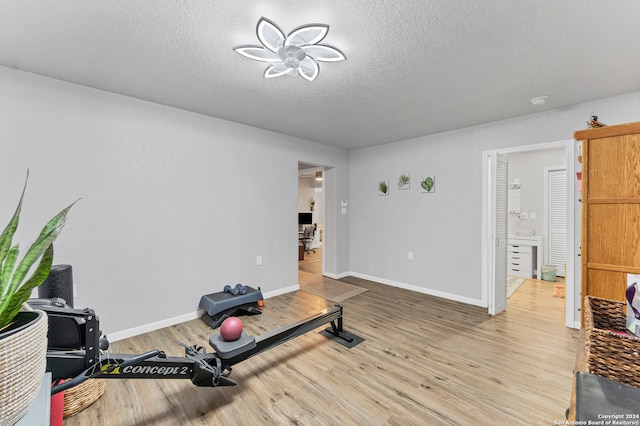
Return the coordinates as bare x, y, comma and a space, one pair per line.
540, 100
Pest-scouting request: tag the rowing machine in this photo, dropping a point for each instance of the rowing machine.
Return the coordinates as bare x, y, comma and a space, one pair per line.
77, 350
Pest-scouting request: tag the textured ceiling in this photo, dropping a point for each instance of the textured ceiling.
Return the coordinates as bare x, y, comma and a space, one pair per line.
414, 67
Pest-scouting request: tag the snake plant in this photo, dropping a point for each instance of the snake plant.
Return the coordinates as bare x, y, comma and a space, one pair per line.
15, 287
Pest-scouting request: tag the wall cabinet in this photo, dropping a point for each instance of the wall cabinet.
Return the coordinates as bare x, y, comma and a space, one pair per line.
610, 209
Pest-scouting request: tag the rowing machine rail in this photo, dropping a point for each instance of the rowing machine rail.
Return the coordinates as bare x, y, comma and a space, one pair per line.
202, 368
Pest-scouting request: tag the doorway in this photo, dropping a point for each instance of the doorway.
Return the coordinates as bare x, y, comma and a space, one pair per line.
492, 260
310, 221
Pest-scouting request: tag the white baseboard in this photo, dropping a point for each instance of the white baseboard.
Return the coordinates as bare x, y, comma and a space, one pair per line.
417, 289
146, 328
336, 276
280, 291
124, 334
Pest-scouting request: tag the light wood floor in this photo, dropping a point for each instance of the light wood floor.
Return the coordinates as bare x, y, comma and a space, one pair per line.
425, 361
312, 262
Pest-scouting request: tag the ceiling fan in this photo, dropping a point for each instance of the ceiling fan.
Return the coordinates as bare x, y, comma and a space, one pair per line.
297, 53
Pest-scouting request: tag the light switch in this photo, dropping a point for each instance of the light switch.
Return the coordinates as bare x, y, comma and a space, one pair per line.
533, 215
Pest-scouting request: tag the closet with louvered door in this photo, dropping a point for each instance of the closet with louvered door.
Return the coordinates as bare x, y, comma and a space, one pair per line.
556, 181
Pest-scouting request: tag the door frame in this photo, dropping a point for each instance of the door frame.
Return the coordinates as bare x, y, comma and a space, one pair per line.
318, 168
572, 317
497, 246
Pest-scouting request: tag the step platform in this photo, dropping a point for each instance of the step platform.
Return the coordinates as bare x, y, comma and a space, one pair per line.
220, 306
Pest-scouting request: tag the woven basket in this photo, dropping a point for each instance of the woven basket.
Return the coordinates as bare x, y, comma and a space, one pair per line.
80, 397
23, 361
611, 350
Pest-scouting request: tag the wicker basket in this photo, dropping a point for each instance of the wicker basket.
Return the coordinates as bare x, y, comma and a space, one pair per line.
23, 361
611, 350
80, 397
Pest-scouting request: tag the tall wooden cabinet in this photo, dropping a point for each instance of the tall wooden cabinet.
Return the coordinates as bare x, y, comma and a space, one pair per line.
610, 246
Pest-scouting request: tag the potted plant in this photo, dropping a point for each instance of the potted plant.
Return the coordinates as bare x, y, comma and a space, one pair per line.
23, 334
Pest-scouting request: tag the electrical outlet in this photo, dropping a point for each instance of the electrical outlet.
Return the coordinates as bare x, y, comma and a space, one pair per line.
258, 260
410, 255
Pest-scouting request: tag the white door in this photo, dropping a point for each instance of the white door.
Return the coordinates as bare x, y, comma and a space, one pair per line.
557, 219
498, 198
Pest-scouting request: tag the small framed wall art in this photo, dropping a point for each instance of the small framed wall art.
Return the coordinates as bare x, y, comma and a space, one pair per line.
383, 187
428, 184
404, 181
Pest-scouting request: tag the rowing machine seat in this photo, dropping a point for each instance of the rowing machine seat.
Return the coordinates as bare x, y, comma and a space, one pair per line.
228, 350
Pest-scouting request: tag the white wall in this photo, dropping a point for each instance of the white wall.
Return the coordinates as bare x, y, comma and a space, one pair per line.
529, 168
170, 198
443, 229
174, 204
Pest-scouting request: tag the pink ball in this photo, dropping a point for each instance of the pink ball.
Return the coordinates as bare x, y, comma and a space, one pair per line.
231, 329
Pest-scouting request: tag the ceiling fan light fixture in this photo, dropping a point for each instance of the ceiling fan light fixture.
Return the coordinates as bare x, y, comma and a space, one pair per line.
291, 56
295, 54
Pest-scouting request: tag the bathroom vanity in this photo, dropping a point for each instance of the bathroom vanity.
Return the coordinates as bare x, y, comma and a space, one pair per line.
524, 256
